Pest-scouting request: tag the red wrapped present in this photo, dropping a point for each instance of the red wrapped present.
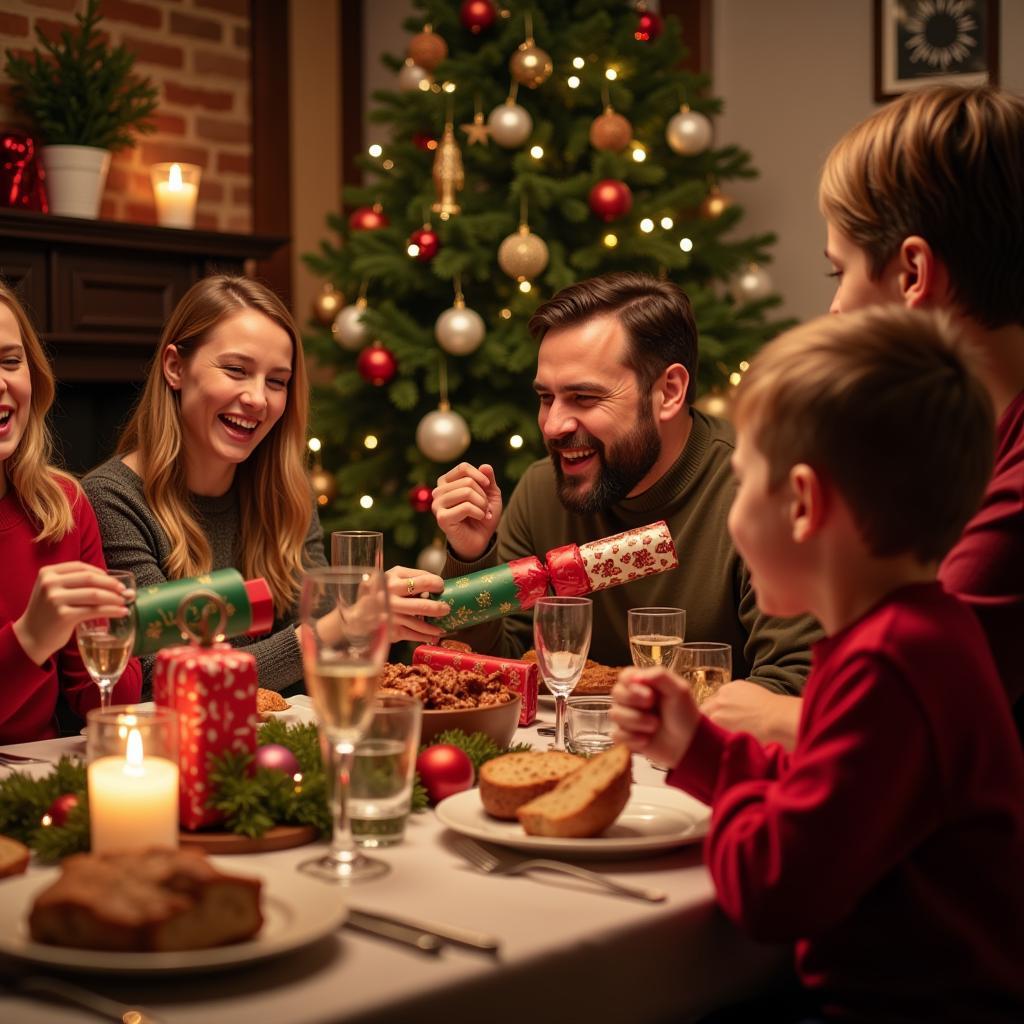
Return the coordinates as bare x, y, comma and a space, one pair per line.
213, 689
520, 676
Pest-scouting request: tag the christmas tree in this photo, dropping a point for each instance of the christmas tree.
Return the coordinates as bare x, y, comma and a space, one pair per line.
533, 144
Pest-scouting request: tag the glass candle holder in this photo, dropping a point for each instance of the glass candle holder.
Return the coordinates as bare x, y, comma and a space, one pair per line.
176, 189
133, 778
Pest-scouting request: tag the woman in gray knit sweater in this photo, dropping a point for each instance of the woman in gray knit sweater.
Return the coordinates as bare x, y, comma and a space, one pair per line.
210, 471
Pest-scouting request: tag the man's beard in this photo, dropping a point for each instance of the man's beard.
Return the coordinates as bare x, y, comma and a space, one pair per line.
626, 463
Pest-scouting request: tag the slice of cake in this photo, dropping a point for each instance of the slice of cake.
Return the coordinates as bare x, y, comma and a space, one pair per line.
584, 803
509, 781
155, 901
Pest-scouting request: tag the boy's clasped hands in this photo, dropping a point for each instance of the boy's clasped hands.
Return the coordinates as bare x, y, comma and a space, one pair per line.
654, 714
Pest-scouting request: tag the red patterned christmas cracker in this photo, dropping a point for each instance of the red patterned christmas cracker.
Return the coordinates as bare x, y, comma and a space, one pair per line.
609, 562
213, 689
520, 676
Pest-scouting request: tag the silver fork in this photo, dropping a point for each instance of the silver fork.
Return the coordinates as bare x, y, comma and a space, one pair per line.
12, 760
504, 864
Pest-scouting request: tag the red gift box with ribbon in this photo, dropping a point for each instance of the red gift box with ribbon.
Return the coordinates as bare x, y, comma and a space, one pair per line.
520, 676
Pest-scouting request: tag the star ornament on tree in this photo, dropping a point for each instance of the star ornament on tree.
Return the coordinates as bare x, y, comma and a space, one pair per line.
477, 130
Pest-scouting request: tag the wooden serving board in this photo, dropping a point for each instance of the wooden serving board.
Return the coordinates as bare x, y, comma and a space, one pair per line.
280, 837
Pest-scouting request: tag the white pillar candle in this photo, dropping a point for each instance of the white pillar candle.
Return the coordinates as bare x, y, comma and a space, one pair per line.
176, 200
133, 800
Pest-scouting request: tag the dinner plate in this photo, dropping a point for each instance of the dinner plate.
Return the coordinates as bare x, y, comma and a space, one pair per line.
297, 910
655, 818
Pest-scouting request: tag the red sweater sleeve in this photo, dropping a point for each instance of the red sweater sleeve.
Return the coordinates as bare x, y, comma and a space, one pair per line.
794, 846
81, 692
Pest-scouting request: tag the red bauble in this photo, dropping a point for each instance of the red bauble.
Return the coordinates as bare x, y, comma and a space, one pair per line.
277, 758
61, 807
368, 218
476, 15
648, 27
444, 771
427, 242
611, 199
376, 364
420, 498
421, 140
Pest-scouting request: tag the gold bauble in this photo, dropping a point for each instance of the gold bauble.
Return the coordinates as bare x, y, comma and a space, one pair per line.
325, 487
715, 204
530, 65
523, 255
427, 49
327, 304
610, 131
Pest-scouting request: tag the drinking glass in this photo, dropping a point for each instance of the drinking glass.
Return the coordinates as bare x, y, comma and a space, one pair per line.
561, 635
343, 630
106, 644
656, 636
358, 547
589, 725
705, 666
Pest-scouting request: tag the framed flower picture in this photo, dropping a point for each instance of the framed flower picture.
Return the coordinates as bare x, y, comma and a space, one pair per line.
929, 42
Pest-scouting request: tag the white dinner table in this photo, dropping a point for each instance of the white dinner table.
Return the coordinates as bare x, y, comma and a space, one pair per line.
569, 951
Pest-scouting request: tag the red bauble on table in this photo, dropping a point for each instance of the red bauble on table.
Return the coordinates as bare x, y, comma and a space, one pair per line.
59, 810
610, 199
277, 758
420, 498
648, 27
426, 243
368, 218
377, 364
444, 771
476, 15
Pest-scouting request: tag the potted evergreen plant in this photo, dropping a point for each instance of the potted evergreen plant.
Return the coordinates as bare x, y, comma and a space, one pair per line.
84, 103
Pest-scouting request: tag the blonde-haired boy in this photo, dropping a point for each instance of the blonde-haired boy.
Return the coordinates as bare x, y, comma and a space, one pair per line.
924, 204
888, 846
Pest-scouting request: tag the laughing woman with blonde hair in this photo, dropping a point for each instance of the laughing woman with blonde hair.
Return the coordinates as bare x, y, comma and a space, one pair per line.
54, 574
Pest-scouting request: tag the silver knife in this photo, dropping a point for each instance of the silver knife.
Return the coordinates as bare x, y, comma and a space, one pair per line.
445, 932
407, 935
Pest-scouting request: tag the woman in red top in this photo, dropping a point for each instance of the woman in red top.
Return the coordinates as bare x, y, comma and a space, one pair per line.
50, 550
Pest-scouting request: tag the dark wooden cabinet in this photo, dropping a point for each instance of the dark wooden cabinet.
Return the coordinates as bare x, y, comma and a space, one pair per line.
99, 293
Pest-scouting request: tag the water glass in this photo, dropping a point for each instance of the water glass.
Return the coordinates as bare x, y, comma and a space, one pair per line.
358, 547
106, 644
561, 636
589, 725
380, 793
705, 666
655, 636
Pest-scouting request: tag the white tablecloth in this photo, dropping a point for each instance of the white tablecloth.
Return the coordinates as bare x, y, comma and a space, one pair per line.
569, 952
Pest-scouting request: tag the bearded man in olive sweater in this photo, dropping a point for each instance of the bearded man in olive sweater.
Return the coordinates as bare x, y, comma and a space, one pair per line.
616, 372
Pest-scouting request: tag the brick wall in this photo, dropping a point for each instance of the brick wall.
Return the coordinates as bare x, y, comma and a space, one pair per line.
197, 54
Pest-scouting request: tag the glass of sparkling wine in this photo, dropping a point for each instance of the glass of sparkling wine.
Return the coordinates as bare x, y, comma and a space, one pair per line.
106, 644
656, 636
705, 666
343, 631
561, 635
358, 547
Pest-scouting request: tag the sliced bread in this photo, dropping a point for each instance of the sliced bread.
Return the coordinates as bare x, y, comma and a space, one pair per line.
511, 780
14, 856
584, 803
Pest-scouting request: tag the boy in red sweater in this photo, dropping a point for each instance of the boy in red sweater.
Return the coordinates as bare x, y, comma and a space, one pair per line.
889, 846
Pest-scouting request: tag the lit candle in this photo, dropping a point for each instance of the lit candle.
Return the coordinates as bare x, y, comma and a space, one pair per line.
176, 197
133, 800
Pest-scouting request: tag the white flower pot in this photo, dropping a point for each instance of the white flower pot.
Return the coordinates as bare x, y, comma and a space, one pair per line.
75, 176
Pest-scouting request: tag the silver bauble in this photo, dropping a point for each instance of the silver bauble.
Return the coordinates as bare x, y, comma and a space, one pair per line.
459, 330
442, 435
432, 559
751, 284
412, 77
349, 330
688, 132
509, 124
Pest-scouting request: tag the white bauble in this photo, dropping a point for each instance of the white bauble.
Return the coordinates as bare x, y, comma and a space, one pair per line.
349, 330
751, 284
432, 559
688, 132
442, 435
509, 125
459, 330
412, 77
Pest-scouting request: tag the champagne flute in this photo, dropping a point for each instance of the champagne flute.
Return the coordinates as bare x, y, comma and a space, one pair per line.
656, 636
343, 627
705, 666
561, 635
106, 644
358, 547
